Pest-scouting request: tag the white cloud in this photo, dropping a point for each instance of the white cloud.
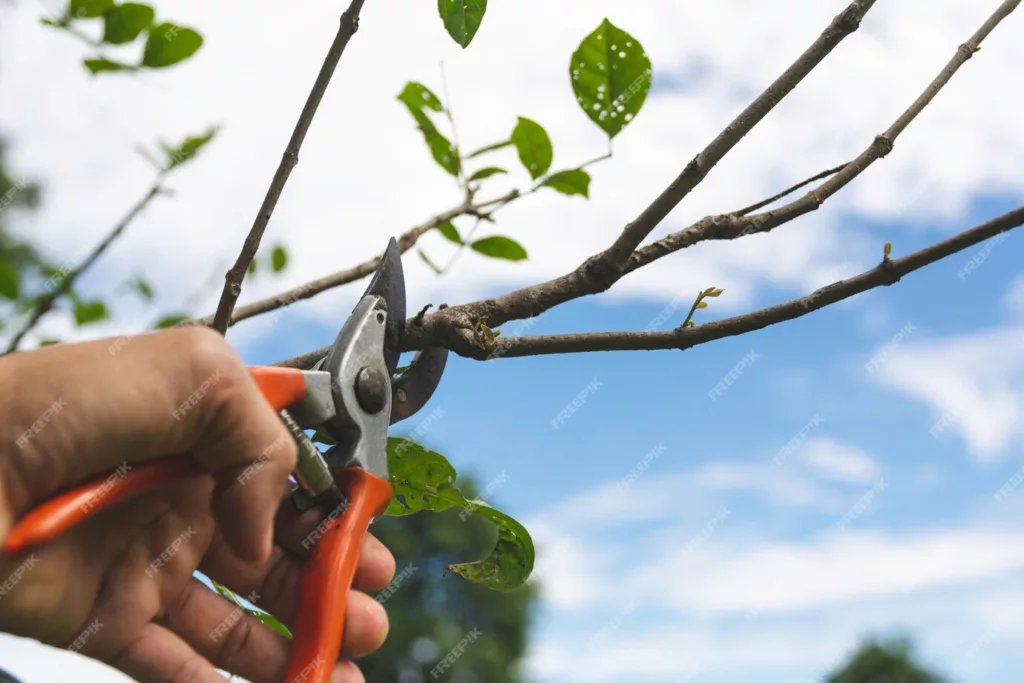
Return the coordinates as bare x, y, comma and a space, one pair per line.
974, 384
1014, 298
745, 603
839, 461
364, 174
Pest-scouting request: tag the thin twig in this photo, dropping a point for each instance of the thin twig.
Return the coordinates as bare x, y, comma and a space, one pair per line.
357, 272
887, 273
233, 279
731, 226
44, 304
463, 182
788, 191
610, 262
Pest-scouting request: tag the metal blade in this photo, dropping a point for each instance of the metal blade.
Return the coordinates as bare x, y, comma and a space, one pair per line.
389, 284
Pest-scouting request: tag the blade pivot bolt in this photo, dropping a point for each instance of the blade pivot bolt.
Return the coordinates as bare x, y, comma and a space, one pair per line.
371, 390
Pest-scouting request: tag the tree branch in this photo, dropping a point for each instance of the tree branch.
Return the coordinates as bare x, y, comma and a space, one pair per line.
734, 225
405, 242
44, 304
887, 273
453, 327
233, 278
609, 263
602, 270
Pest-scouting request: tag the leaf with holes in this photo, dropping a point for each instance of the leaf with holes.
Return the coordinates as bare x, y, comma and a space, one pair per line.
497, 246
534, 147
416, 96
450, 232
487, 173
169, 44
124, 23
510, 563
575, 181
278, 259
611, 76
424, 480
462, 18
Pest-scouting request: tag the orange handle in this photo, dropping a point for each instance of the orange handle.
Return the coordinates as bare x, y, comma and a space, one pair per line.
327, 576
281, 387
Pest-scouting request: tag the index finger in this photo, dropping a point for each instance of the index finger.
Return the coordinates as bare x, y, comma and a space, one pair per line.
76, 410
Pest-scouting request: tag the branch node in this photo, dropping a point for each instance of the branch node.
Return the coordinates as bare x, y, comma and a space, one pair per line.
418, 320
884, 144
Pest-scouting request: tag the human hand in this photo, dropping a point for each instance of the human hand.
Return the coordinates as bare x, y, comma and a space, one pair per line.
110, 588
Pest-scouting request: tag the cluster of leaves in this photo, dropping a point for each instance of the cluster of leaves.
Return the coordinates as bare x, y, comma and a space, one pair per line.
165, 44
610, 76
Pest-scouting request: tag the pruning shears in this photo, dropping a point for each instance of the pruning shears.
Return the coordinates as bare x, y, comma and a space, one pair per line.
352, 395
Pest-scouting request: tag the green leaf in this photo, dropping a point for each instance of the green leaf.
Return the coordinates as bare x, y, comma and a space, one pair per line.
450, 232
320, 436
169, 44
462, 18
487, 173
424, 480
490, 148
251, 270
711, 291
124, 23
101, 64
49, 342
89, 312
169, 321
10, 281
143, 288
611, 76
887, 251
575, 181
510, 563
272, 623
443, 151
89, 9
426, 260
441, 148
416, 96
278, 259
497, 246
188, 148
702, 304
534, 147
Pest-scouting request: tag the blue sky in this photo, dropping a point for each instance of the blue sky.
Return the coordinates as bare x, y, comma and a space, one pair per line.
672, 545
715, 486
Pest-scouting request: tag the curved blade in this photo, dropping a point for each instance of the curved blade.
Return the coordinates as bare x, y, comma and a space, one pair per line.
414, 388
389, 284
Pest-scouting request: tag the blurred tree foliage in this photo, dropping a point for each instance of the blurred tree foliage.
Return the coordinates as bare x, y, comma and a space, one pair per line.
884, 661
432, 610
18, 258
